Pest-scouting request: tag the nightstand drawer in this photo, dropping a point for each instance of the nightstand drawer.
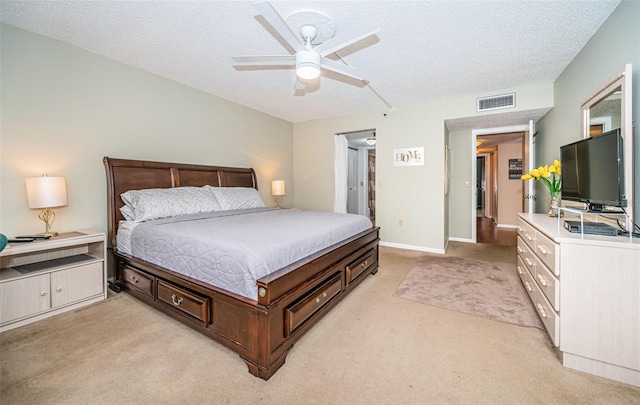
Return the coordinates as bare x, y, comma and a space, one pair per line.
184, 301
137, 279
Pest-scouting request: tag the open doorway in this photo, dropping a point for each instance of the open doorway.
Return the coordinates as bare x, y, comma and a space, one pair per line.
361, 180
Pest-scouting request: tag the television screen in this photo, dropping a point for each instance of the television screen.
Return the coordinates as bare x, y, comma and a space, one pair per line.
593, 171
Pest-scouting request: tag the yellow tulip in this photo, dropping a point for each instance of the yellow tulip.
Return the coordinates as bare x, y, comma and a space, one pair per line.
526, 177
535, 173
552, 169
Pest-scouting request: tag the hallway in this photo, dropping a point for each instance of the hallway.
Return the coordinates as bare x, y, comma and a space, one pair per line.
489, 233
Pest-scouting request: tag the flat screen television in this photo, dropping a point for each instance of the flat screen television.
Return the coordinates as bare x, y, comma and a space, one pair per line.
593, 171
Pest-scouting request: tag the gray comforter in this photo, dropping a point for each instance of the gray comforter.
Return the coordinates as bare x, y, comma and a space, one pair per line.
233, 249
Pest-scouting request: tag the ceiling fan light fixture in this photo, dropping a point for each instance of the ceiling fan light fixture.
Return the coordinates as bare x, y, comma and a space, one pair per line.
308, 64
370, 141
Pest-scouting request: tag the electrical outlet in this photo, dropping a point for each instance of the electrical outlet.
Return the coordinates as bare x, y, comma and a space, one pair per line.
467, 184
401, 222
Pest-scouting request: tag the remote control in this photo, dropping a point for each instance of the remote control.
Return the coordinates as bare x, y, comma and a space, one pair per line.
21, 240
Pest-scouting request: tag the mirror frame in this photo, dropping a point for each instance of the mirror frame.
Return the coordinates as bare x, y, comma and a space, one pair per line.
622, 80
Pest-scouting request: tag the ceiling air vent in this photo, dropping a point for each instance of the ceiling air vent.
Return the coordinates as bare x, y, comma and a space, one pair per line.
496, 102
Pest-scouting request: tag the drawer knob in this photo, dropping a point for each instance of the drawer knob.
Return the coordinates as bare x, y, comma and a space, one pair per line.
528, 286
317, 300
135, 279
59, 289
529, 237
543, 313
520, 249
519, 270
176, 302
364, 264
520, 229
529, 262
542, 280
43, 293
543, 250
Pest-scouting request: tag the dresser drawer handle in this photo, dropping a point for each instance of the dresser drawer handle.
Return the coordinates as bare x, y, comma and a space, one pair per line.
59, 289
542, 280
176, 303
529, 237
519, 270
543, 250
520, 229
135, 279
526, 283
543, 313
529, 262
364, 264
44, 293
520, 249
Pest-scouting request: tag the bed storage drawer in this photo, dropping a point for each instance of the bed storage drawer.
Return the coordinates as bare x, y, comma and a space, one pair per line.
303, 309
359, 266
137, 279
186, 302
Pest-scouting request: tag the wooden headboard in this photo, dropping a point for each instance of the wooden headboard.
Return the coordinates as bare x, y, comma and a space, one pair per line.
124, 175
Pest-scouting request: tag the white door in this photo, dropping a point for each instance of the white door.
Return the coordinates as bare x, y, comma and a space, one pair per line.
352, 182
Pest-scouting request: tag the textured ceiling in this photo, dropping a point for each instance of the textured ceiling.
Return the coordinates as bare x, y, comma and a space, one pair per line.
424, 50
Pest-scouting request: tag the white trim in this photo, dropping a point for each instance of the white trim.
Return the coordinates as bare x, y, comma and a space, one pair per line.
465, 240
411, 247
507, 226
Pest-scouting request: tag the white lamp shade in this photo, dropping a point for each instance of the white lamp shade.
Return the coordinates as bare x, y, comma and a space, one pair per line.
46, 192
308, 64
277, 187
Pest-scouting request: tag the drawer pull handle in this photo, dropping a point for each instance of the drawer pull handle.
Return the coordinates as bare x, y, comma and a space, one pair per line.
529, 262
520, 229
543, 313
526, 283
317, 300
364, 264
529, 237
59, 289
135, 279
324, 295
543, 250
519, 270
542, 280
173, 299
44, 293
520, 249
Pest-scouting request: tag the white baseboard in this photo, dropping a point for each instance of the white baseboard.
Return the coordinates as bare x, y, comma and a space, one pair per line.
411, 247
465, 240
507, 226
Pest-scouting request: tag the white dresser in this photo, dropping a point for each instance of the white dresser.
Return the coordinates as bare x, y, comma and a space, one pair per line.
586, 290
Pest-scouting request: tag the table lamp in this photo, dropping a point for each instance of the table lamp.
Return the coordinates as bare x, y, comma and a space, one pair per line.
46, 193
277, 191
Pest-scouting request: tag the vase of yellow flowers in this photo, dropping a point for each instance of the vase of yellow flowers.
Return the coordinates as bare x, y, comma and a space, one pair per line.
550, 176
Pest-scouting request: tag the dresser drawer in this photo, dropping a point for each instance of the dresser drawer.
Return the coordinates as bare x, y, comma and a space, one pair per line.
549, 317
548, 284
186, 302
137, 279
527, 233
359, 266
303, 309
547, 251
527, 256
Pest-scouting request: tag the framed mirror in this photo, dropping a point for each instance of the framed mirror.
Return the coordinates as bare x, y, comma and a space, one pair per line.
609, 108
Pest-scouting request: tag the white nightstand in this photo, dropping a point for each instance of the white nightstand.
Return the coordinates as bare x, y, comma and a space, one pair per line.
43, 278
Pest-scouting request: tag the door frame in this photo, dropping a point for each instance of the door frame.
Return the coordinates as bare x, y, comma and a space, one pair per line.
474, 154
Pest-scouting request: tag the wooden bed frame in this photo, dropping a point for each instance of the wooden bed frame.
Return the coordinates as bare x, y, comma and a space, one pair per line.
290, 301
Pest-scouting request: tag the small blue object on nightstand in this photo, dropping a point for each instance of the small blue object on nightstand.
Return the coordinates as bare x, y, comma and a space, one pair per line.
3, 241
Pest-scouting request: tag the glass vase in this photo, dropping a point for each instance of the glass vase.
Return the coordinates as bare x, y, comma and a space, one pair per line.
554, 206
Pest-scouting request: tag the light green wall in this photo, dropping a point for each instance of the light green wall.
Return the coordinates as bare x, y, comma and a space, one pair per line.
615, 44
413, 194
63, 109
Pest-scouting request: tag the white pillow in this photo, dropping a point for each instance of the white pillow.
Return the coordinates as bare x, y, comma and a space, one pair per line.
154, 203
237, 198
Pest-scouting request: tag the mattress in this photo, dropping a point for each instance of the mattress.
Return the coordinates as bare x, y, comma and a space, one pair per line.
233, 249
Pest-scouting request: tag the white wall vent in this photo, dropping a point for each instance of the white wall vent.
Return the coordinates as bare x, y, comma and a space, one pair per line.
496, 102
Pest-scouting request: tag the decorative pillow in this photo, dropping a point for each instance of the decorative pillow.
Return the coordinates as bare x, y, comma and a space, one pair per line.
154, 203
236, 198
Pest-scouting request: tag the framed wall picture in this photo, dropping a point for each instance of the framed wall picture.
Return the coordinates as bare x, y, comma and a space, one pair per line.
515, 169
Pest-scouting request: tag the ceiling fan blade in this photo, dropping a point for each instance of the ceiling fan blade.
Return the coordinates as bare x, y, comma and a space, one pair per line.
340, 68
279, 24
347, 38
275, 60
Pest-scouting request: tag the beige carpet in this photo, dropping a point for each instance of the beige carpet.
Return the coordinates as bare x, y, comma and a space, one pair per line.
477, 287
373, 348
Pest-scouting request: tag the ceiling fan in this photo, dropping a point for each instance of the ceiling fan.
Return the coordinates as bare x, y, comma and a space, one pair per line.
308, 59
